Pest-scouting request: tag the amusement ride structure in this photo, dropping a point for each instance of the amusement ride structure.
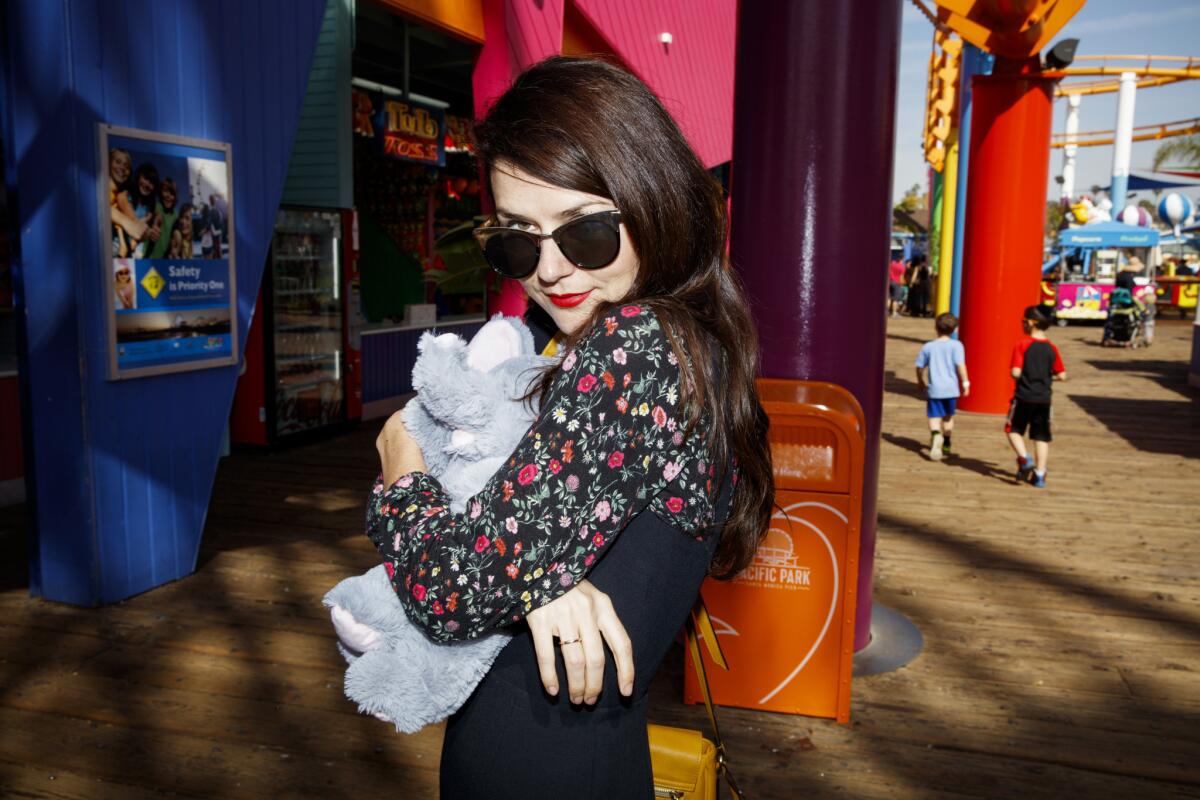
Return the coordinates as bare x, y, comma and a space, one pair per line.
987, 138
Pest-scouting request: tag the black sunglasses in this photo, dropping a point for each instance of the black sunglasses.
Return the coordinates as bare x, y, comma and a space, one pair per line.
590, 242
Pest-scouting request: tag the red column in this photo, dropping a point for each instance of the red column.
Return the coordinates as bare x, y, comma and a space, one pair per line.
1006, 213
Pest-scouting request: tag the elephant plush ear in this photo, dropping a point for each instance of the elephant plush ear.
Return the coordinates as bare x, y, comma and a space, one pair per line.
501, 339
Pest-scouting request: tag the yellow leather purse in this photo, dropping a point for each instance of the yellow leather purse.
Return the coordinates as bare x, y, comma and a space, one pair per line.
686, 766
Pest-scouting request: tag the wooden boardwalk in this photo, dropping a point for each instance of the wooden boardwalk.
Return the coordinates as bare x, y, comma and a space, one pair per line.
1062, 627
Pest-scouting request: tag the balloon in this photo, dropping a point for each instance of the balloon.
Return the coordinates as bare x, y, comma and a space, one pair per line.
1105, 204
1134, 215
1174, 209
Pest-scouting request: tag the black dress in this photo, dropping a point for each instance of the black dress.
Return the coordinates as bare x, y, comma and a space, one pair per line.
511, 740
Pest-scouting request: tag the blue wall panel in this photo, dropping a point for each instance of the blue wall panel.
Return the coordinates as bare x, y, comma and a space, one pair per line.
121, 472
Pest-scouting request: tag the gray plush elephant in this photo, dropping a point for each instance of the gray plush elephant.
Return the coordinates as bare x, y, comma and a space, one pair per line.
468, 417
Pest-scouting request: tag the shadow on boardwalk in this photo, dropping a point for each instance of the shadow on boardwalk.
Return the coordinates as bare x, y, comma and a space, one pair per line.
987, 469
903, 386
1171, 375
1150, 425
1003, 667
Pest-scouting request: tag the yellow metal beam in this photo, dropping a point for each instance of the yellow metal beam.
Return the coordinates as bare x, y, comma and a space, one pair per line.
1098, 138
946, 246
1182, 73
941, 95
1144, 67
1105, 87
1190, 59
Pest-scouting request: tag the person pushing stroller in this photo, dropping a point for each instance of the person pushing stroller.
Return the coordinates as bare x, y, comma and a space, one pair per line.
1127, 320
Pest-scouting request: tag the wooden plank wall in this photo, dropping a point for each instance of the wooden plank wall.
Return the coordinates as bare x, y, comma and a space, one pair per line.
321, 170
123, 471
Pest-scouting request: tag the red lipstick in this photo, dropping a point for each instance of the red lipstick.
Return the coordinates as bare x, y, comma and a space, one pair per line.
569, 300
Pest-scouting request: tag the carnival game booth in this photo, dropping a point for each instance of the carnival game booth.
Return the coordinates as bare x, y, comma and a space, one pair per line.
1178, 285
1084, 272
354, 277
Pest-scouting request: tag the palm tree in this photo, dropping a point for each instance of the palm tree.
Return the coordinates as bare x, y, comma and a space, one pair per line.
1183, 151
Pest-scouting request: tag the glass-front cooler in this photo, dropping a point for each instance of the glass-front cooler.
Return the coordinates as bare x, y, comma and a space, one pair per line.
305, 346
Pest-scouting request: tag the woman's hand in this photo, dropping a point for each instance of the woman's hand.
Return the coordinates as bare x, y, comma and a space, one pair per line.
579, 618
399, 453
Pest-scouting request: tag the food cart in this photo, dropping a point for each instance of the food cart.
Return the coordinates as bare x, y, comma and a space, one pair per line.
1082, 275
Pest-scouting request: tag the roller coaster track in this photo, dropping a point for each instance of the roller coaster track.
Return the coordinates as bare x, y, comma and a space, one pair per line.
1162, 130
1150, 71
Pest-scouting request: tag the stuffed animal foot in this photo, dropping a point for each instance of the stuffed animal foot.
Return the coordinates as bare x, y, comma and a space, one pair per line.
354, 635
358, 638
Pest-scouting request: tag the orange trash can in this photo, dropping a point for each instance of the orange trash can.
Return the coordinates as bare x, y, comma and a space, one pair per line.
786, 622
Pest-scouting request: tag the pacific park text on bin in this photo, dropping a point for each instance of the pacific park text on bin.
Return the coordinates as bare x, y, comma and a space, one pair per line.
786, 623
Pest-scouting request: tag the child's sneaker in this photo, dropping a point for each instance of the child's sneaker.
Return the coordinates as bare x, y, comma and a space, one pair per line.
1024, 467
946, 447
935, 447
1039, 480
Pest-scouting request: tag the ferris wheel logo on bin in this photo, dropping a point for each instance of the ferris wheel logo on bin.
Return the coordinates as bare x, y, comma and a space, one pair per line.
775, 564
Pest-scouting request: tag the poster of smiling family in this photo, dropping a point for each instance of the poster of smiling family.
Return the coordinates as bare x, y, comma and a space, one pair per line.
166, 222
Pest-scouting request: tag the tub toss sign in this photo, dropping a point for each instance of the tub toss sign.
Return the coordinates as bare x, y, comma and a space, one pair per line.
403, 127
167, 252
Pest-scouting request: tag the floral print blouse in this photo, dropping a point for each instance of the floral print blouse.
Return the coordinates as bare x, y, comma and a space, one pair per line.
609, 443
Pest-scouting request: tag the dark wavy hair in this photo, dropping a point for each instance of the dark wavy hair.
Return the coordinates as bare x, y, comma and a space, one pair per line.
587, 125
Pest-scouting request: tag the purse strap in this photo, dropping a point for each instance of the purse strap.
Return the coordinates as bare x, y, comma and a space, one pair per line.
699, 621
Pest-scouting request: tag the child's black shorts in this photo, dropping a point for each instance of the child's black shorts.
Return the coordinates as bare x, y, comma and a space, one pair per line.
1034, 416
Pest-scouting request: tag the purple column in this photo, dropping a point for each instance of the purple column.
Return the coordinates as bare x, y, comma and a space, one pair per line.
814, 104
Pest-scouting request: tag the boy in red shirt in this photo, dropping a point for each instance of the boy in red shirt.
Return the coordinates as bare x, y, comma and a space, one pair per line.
1036, 364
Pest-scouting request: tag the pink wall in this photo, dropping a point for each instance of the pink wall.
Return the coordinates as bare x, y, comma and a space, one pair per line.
693, 76
517, 34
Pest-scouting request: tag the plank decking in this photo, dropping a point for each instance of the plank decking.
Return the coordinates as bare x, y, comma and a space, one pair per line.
1062, 627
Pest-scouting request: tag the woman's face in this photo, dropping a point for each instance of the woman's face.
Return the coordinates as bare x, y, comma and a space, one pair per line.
119, 167
145, 185
168, 197
566, 292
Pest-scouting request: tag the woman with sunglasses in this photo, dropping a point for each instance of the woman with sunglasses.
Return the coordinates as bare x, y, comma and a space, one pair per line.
647, 466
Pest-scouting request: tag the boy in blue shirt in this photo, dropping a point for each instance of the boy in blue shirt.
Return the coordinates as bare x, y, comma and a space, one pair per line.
941, 366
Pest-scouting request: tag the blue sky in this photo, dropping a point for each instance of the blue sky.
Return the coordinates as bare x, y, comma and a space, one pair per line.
1104, 27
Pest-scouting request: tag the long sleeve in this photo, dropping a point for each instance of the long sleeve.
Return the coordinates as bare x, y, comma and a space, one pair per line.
607, 445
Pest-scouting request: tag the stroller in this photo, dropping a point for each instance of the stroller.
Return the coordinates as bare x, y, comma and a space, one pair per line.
1126, 324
